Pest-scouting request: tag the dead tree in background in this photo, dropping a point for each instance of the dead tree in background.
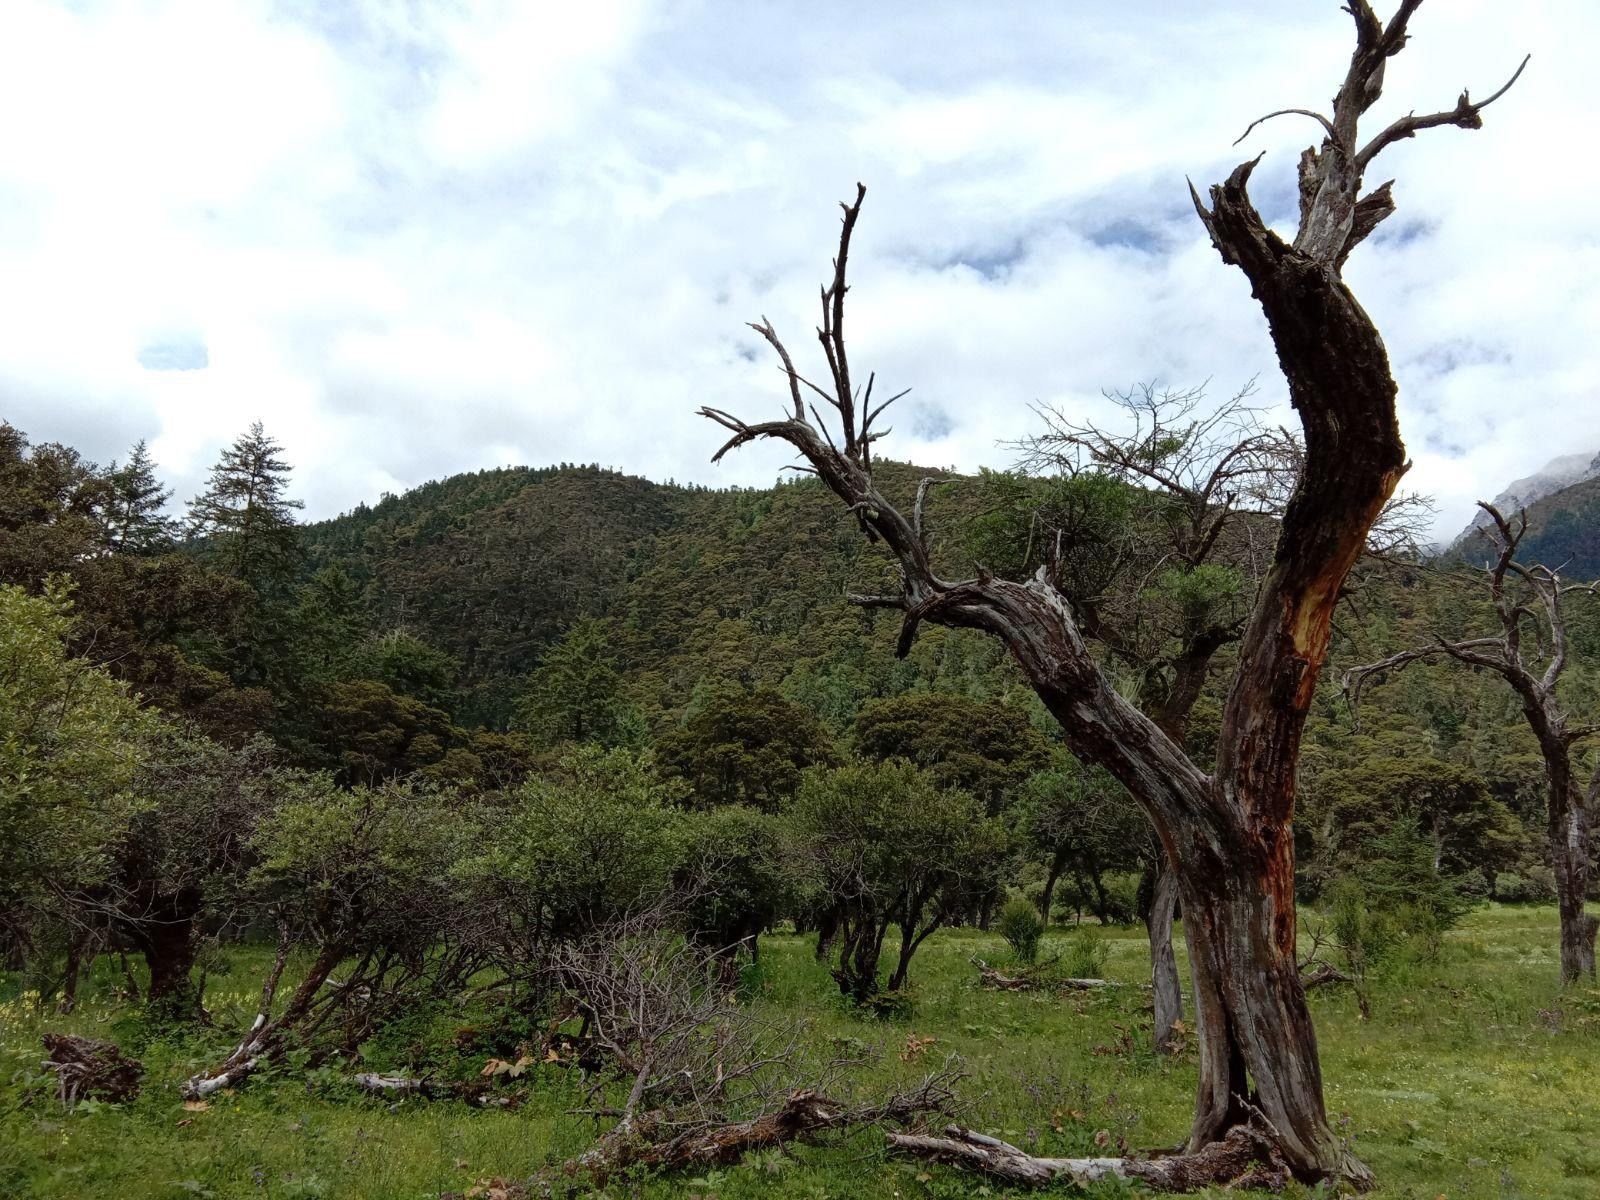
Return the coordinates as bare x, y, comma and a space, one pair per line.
1205, 477
1524, 596
1226, 834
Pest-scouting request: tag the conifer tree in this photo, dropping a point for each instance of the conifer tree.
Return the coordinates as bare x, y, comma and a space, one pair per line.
135, 520
246, 520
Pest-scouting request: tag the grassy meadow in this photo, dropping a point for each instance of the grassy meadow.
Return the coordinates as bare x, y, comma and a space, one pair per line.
1475, 1078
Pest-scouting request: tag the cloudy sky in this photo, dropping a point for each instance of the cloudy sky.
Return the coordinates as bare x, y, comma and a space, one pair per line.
423, 237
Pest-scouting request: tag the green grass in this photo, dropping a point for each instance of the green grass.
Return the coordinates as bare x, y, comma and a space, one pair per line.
1476, 1077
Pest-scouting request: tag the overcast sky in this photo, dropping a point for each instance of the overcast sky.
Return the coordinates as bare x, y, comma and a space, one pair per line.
428, 237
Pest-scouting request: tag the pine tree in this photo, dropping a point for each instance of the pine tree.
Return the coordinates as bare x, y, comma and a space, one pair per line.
134, 518
246, 521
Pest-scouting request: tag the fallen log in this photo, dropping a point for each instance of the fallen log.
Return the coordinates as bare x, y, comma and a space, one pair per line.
1247, 1157
87, 1069
470, 1091
1324, 974
1033, 977
656, 1140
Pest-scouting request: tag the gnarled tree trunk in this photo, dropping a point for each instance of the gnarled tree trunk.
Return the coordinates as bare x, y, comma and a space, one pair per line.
1228, 834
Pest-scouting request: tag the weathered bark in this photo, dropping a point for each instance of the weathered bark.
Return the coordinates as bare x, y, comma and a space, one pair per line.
1034, 978
77, 947
471, 1091
165, 931
1166, 991
1567, 830
1247, 1157
653, 1140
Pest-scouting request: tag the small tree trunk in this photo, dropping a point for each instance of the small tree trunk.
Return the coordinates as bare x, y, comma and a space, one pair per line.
1567, 829
1047, 898
69, 984
827, 933
169, 953
1569, 851
1166, 990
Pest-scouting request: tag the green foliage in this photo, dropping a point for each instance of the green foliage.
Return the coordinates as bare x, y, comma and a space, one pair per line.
1196, 596
1084, 828
576, 695
1086, 954
985, 748
364, 866
882, 844
1537, 886
744, 747
1020, 925
135, 517
1359, 806
71, 744
51, 508
408, 666
367, 732
1020, 517
243, 517
1400, 874
732, 879
596, 838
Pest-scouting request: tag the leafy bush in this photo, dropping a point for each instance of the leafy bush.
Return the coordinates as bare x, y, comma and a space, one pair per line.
1401, 871
1086, 954
1535, 887
1019, 923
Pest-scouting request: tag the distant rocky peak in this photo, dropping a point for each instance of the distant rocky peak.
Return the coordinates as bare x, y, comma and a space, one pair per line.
1558, 473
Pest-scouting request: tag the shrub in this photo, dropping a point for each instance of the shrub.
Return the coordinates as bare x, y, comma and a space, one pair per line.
1536, 885
1019, 923
1086, 954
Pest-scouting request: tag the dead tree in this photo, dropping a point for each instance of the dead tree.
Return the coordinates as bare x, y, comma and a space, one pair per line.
1527, 598
1227, 834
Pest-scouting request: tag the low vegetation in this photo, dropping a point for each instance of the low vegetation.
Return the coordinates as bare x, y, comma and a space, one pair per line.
1470, 1079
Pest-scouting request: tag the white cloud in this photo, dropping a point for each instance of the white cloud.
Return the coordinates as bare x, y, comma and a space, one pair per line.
423, 236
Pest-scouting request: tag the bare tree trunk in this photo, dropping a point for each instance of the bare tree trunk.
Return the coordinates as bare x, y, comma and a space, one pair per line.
1047, 898
77, 946
1568, 828
1167, 992
169, 952
266, 1037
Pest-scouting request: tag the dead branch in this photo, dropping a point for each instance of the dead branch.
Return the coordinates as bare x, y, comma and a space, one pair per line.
1035, 978
470, 1091
1247, 1157
87, 1069
651, 1140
